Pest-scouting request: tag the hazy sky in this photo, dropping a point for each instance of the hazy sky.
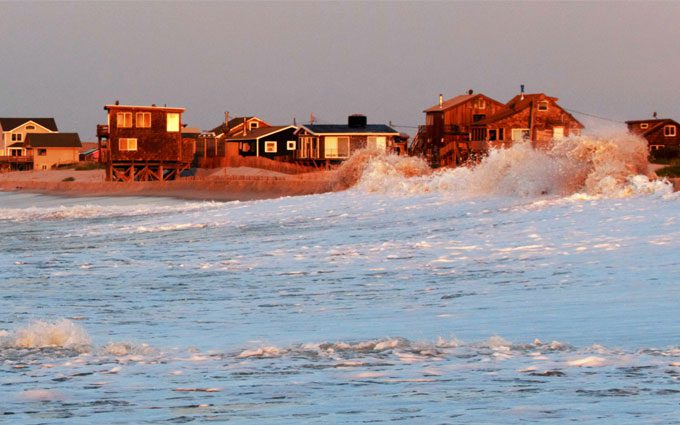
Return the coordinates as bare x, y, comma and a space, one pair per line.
388, 60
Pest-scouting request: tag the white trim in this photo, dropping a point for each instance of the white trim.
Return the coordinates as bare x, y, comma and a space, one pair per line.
672, 133
268, 144
348, 134
32, 122
290, 143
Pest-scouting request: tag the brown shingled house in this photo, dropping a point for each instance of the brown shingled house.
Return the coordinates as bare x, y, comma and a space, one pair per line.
659, 133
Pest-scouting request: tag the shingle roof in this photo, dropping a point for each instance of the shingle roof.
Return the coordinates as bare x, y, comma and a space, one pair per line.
222, 128
451, 102
8, 124
344, 128
52, 140
257, 133
517, 104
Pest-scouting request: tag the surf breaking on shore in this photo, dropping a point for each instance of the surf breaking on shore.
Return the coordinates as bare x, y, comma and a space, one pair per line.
609, 166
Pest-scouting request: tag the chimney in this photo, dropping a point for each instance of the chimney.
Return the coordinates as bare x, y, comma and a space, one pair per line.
356, 121
441, 100
521, 89
244, 125
226, 118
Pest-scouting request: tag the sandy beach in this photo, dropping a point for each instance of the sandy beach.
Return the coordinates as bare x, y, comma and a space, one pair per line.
225, 184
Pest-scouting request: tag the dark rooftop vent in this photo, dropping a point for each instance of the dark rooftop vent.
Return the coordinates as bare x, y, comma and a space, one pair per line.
356, 121
470, 91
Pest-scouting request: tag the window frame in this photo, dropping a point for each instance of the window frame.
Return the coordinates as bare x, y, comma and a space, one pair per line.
291, 145
335, 153
170, 120
644, 126
41, 152
542, 105
521, 130
670, 130
126, 121
145, 119
128, 141
270, 146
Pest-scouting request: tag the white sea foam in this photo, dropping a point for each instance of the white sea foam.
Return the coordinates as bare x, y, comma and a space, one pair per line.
614, 166
61, 333
98, 211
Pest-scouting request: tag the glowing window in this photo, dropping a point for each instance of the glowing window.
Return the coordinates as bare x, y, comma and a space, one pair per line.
520, 134
337, 147
644, 125
124, 119
270, 147
173, 122
143, 119
127, 144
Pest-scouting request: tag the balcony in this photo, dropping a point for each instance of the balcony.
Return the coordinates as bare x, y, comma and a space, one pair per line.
17, 159
102, 130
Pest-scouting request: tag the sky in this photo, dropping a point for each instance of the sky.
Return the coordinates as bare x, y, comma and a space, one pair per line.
284, 60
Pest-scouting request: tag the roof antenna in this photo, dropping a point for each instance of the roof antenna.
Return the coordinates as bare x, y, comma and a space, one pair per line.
654, 114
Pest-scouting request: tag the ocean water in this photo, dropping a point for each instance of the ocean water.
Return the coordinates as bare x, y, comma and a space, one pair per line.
537, 287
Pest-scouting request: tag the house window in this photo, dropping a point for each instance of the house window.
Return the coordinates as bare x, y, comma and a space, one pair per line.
378, 143
669, 131
269, 147
481, 104
253, 124
42, 152
337, 147
143, 119
501, 135
478, 117
30, 127
492, 135
127, 144
15, 152
543, 105
124, 119
172, 122
644, 125
291, 145
519, 134
558, 133
16, 137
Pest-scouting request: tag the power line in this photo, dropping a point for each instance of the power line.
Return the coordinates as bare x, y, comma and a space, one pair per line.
595, 116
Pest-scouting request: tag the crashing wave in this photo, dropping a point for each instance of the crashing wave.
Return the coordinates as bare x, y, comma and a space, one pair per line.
61, 333
614, 166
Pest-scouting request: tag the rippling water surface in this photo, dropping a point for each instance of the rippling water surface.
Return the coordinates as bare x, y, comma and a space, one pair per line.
351, 307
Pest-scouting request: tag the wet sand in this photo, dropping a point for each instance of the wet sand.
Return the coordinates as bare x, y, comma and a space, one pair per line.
242, 184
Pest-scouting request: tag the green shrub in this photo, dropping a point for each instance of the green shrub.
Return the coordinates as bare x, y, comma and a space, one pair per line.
69, 179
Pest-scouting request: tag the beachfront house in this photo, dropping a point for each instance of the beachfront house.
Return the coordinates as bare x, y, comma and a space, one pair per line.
447, 126
51, 150
237, 125
272, 142
143, 143
326, 144
534, 117
659, 133
13, 131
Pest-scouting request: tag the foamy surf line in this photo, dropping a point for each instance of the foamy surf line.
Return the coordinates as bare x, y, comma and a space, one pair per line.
542, 356
89, 211
611, 167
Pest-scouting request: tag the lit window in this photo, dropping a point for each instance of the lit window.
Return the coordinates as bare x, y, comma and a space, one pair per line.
291, 145
669, 131
543, 105
143, 119
520, 134
124, 119
173, 122
270, 147
644, 125
127, 144
376, 143
337, 147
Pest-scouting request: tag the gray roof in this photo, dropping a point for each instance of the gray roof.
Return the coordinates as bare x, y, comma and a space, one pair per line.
258, 133
8, 124
344, 128
52, 140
